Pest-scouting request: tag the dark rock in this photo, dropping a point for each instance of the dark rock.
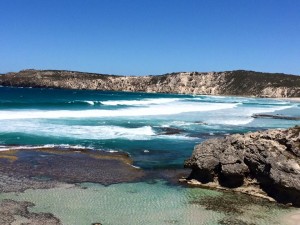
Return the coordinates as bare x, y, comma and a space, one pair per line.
271, 157
270, 116
171, 130
34, 168
201, 123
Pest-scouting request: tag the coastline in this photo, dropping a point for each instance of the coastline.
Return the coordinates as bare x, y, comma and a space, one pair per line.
226, 83
47, 180
297, 100
46, 168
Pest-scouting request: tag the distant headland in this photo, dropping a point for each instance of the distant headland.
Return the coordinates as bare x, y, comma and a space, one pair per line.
236, 83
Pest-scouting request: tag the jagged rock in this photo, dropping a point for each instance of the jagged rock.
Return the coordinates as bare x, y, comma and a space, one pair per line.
240, 82
271, 158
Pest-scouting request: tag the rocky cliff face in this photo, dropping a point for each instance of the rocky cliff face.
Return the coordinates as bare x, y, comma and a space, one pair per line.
269, 160
241, 83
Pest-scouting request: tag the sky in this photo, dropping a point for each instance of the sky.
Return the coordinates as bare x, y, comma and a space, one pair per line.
142, 37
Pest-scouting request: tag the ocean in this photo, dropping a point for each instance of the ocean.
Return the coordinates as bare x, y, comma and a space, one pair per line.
158, 131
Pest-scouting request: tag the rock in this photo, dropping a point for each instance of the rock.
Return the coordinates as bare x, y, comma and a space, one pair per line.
14, 212
270, 116
239, 82
171, 130
269, 158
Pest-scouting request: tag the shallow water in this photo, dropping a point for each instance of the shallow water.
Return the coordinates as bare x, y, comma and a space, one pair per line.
145, 203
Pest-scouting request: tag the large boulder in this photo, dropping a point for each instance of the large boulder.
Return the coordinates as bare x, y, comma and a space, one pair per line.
271, 158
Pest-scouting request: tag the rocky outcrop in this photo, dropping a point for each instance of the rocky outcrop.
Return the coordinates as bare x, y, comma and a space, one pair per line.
269, 159
241, 83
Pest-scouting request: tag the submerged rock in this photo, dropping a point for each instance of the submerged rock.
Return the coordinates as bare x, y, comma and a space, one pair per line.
14, 212
171, 130
277, 116
270, 160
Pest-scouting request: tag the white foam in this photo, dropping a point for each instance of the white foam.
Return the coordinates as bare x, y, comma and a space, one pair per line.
151, 110
80, 132
241, 121
141, 102
24, 147
136, 167
112, 151
90, 102
85, 101
243, 116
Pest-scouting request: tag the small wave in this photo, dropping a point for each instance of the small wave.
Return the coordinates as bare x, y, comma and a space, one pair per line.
151, 110
103, 132
89, 102
141, 102
136, 167
244, 116
112, 151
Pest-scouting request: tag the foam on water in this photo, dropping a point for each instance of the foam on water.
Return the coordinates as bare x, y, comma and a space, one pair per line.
243, 116
107, 120
81, 132
47, 146
152, 110
141, 102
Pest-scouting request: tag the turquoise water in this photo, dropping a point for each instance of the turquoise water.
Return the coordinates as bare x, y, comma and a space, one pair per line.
143, 203
136, 123
157, 130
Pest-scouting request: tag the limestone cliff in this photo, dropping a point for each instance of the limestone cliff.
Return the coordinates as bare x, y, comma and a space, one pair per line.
268, 160
240, 83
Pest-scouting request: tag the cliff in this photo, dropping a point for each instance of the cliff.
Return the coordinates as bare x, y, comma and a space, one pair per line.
240, 83
264, 163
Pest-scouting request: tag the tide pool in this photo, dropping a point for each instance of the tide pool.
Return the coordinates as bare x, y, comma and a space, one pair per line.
149, 203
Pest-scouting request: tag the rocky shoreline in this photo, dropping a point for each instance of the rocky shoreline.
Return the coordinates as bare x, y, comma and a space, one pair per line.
25, 169
235, 83
264, 164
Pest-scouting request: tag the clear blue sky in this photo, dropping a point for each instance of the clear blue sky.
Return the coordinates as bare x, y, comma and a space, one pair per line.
139, 37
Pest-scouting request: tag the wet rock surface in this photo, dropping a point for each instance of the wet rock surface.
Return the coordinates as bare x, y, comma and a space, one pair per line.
36, 168
269, 159
171, 130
